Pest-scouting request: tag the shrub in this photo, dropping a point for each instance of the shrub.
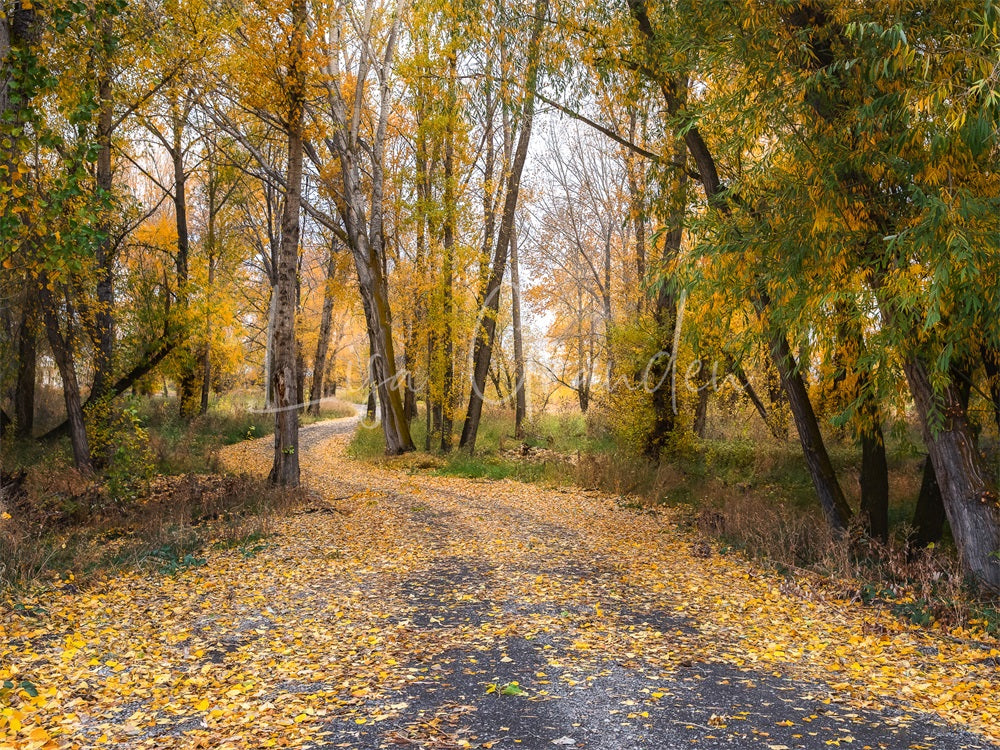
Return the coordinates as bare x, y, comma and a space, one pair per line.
120, 447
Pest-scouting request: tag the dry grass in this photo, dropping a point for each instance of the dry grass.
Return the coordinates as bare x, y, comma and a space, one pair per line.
62, 525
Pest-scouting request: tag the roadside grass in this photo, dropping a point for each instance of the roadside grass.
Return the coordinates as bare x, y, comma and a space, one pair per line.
61, 527
544, 455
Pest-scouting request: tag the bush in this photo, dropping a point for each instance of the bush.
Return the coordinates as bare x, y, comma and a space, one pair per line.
120, 447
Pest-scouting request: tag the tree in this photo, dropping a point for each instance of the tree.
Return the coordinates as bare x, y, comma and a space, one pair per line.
491, 291
362, 212
284, 380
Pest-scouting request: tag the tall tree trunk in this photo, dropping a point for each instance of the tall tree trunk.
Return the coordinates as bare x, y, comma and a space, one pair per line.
366, 237
607, 311
419, 321
520, 402
62, 351
874, 481
410, 384
831, 496
27, 357
970, 497
658, 376
447, 265
206, 355
428, 396
211, 251
874, 477
660, 372
272, 319
284, 379
637, 208
18, 35
325, 329
371, 403
188, 375
376, 305
486, 335
929, 515
105, 251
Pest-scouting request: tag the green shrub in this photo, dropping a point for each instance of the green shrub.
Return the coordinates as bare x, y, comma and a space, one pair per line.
120, 447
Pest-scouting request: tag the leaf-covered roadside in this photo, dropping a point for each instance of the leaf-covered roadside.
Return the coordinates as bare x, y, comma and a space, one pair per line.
385, 582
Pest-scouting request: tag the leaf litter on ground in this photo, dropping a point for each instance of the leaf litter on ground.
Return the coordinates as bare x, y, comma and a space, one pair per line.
361, 595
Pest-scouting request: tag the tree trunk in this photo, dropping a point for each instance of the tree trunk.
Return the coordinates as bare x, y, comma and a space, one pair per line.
186, 386
520, 402
27, 356
637, 207
376, 305
104, 311
751, 394
272, 317
607, 311
874, 481
419, 321
658, 376
410, 386
206, 356
970, 498
486, 333
371, 404
447, 266
323, 343
62, 351
367, 240
284, 380
824, 478
212, 253
19, 32
929, 515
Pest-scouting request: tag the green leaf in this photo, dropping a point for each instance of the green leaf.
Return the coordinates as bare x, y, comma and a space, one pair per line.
512, 688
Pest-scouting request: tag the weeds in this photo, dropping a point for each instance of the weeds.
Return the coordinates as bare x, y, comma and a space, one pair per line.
62, 533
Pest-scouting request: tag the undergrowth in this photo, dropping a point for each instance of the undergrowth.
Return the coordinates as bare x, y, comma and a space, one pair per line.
57, 526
